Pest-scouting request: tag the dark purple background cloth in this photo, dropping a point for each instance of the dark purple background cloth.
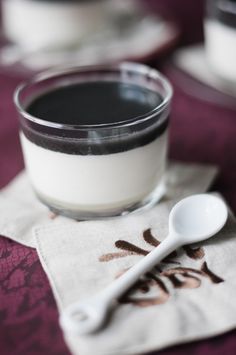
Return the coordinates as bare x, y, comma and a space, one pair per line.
200, 132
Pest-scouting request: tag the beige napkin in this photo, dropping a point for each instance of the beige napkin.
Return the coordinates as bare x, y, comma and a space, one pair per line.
189, 296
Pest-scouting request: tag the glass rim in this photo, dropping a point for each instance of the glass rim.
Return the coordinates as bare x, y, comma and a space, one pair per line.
141, 69
225, 6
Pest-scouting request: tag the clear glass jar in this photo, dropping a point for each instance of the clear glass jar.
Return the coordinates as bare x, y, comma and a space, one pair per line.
52, 24
89, 171
220, 38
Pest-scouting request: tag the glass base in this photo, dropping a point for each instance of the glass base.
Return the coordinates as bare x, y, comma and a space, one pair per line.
146, 203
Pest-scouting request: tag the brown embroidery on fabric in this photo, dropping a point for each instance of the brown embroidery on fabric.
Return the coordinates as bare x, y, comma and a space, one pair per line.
124, 245
179, 277
150, 239
131, 249
157, 268
149, 282
204, 271
111, 256
208, 273
162, 297
197, 253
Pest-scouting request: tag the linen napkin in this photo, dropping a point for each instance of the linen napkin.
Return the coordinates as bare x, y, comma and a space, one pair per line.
188, 296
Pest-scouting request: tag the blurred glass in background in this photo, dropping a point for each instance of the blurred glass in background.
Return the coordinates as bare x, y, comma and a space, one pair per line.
41, 24
41, 34
46, 33
220, 36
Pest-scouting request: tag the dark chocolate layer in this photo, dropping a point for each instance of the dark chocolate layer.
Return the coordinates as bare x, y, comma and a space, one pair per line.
95, 103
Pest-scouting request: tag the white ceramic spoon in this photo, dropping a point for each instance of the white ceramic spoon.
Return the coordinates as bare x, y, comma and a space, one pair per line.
191, 220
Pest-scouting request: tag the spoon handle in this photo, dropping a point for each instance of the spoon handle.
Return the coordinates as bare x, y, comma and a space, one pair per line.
94, 311
118, 287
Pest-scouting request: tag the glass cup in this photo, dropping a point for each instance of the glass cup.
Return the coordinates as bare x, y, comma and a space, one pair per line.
87, 171
220, 38
52, 24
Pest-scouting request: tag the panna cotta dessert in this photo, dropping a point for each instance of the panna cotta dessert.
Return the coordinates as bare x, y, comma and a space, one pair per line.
95, 139
46, 24
220, 38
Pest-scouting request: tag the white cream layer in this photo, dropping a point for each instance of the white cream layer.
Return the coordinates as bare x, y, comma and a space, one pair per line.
42, 25
221, 49
95, 182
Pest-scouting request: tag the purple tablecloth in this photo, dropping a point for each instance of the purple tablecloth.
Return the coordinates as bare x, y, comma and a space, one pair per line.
200, 132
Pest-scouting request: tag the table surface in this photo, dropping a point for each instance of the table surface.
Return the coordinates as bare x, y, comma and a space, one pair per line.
200, 132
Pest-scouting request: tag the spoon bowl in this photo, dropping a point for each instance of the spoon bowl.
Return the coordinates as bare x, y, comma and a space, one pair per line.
197, 217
